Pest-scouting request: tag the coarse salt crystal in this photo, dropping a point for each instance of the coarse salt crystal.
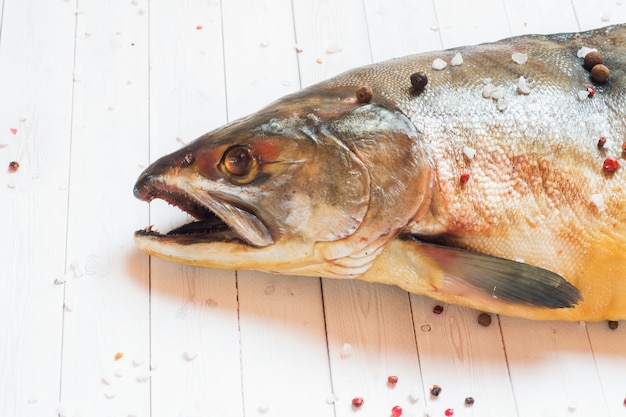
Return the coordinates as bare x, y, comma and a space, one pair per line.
456, 60
583, 95
106, 380
522, 86
598, 201
414, 394
118, 373
263, 408
154, 366
63, 411
519, 58
583, 51
139, 361
498, 93
190, 355
606, 16
439, 64
143, 376
77, 269
333, 49
488, 90
110, 394
470, 153
346, 350
331, 399
3, 143
502, 104
68, 306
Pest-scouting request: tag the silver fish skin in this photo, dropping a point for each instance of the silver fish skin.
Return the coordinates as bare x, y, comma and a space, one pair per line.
486, 188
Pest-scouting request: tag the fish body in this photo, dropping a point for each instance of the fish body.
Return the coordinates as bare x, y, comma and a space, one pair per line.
485, 189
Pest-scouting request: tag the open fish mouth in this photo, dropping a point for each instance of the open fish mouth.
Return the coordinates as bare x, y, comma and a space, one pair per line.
217, 216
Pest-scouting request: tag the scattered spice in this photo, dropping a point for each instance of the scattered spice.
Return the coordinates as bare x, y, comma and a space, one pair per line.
346, 350
364, 94
199, 27
484, 319
469, 401
118, 356
298, 50
396, 411
613, 324
318, 61
13, 166
600, 73
419, 81
13, 130
610, 164
449, 412
435, 390
624, 147
438, 309
465, 177
602, 142
392, 379
357, 402
592, 59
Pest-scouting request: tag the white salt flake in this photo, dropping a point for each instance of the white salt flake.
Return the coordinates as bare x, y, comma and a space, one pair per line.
139, 361
572, 406
76, 269
606, 16
469, 153
264, 44
132, 414
119, 373
12, 184
346, 350
456, 60
63, 411
488, 90
154, 366
33, 399
583, 51
583, 95
190, 355
181, 141
519, 58
60, 280
263, 408
68, 306
143, 376
331, 399
106, 380
414, 394
439, 64
333, 49
498, 93
522, 86
110, 394
598, 201
502, 104
3, 143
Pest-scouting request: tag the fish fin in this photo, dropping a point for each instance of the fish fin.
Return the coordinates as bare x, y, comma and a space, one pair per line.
503, 279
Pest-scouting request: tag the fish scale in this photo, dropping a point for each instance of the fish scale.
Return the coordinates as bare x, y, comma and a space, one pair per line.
371, 188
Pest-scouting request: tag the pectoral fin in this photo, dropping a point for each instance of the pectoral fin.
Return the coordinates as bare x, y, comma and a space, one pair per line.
509, 281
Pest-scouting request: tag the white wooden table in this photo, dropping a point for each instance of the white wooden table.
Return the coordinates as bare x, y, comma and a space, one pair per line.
91, 91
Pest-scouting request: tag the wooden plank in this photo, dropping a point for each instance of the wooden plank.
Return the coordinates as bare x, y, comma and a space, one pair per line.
464, 358
262, 65
591, 15
552, 368
194, 311
36, 58
523, 16
333, 37
487, 23
401, 27
107, 297
283, 350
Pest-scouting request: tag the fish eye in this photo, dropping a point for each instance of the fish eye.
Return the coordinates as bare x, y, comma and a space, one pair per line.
239, 164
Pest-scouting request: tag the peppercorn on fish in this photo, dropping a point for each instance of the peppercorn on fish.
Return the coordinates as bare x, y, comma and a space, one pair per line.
499, 184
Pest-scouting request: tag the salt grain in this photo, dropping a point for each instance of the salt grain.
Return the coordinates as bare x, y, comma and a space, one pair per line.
346, 350
598, 201
414, 394
60, 280
190, 355
331, 399
502, 104
439, 64
488, 90
139, 361
106, 380
583, 95
456, 60
110, 394
333, 49
519, 58
522, 86
63, 411
3, 143
583, 51
498, 93
143, 376
469, 153
263, 408
154, 366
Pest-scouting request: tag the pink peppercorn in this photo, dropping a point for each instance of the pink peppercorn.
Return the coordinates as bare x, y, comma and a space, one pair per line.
610, 164
396, 411
392, 379
449, 412
357, 402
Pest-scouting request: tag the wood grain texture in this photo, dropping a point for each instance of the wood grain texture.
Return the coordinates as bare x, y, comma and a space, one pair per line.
98, 89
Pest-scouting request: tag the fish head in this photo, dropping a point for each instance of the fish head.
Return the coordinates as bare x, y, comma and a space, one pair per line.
300, 187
